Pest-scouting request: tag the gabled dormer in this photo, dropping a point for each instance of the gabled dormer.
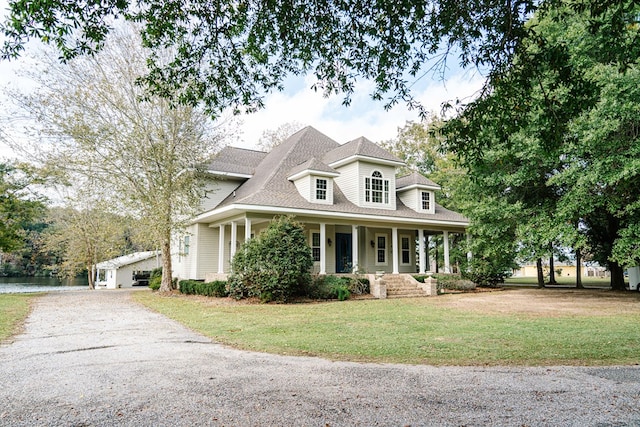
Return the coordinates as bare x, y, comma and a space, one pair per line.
314, 181
417, 192
367, 173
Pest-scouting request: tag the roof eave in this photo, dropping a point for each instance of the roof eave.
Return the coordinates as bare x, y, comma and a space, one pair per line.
314, 172
360, 157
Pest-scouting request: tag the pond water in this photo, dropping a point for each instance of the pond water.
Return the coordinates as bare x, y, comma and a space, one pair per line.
40, 284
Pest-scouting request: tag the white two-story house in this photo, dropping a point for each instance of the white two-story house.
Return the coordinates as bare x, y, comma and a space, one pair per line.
357, 214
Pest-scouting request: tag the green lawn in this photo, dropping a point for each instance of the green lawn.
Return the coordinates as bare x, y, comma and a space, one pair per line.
413, 331
14, 308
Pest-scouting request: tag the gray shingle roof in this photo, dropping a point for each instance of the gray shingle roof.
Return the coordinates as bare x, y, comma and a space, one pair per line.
269, 185
314, 165
236, 160
414, 179
362, 147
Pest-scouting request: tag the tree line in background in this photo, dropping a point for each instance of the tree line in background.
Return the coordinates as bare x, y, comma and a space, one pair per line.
547, 156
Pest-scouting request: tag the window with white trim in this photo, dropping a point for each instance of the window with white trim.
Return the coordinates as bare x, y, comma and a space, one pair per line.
405, 250
321, 189
315, 246
381, 249
187, 245
426, 201
376, 189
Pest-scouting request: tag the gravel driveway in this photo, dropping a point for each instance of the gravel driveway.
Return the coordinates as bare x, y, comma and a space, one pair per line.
97, 358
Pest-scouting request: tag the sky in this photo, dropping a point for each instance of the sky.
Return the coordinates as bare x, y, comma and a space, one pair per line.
364, 117
299, 103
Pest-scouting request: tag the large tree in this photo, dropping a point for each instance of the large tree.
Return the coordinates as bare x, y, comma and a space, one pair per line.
85, 234
142, 153
231, 53
557, 137
19, 206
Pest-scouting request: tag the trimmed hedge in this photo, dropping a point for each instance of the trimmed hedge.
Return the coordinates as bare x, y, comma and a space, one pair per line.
453, 282
216, 289
337, 287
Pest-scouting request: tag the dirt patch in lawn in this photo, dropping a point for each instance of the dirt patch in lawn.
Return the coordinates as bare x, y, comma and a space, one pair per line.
546, 302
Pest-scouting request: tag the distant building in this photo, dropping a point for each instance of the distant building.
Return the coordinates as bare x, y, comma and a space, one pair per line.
561, 270
128, 270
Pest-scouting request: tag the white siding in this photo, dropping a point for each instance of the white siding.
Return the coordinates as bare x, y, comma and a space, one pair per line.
207, 254
349, 182
304, 187
123, 276
217, 191
409, 198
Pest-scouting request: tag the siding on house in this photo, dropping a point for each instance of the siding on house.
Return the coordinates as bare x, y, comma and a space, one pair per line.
217, 191
304, 187
349, 181
207, 254
409, 198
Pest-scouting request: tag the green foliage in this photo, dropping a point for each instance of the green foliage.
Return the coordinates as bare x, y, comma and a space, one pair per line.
216, 288
487, 272
553, 147
448, 281
155, 278
331, 287
339, 42
18, 210
275, 265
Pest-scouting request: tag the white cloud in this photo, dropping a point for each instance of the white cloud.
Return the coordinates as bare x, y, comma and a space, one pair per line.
364, 117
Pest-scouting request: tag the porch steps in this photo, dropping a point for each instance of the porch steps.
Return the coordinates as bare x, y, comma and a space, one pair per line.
402, 286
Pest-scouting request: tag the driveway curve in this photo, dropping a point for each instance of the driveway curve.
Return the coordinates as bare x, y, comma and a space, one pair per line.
99, 359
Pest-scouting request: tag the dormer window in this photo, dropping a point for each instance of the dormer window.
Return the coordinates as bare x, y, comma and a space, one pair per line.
426, 201
321, 189
376, 189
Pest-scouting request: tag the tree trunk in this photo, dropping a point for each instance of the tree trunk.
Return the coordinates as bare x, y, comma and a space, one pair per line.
552, 273
166, 285
617, 276
91, 275
579, 269
540, 273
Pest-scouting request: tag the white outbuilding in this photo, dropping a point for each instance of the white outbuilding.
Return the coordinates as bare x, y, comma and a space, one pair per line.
128, 270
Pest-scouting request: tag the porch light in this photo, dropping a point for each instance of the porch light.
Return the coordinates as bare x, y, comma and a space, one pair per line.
373, 244
329, 241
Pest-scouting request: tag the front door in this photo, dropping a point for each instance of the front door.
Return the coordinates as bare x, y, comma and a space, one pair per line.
343, 253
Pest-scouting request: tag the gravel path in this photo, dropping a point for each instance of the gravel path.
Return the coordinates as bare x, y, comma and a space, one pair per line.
97, 358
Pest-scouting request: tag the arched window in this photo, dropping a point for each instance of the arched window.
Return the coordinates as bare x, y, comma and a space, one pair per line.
376, 189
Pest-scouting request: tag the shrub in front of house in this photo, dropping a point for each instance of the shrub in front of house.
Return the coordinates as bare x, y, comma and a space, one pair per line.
275, 265
488, 273
155, 278
216, 289
453, 282
330, 287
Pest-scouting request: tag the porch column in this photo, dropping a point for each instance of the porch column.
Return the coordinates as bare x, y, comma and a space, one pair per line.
234, 237
221, 250
469, 255
423, 262
428, 248
394, 246
354, 248
323, 248
445, 243
247, 229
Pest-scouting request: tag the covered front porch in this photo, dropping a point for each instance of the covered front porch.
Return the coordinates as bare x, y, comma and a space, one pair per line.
336, 246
